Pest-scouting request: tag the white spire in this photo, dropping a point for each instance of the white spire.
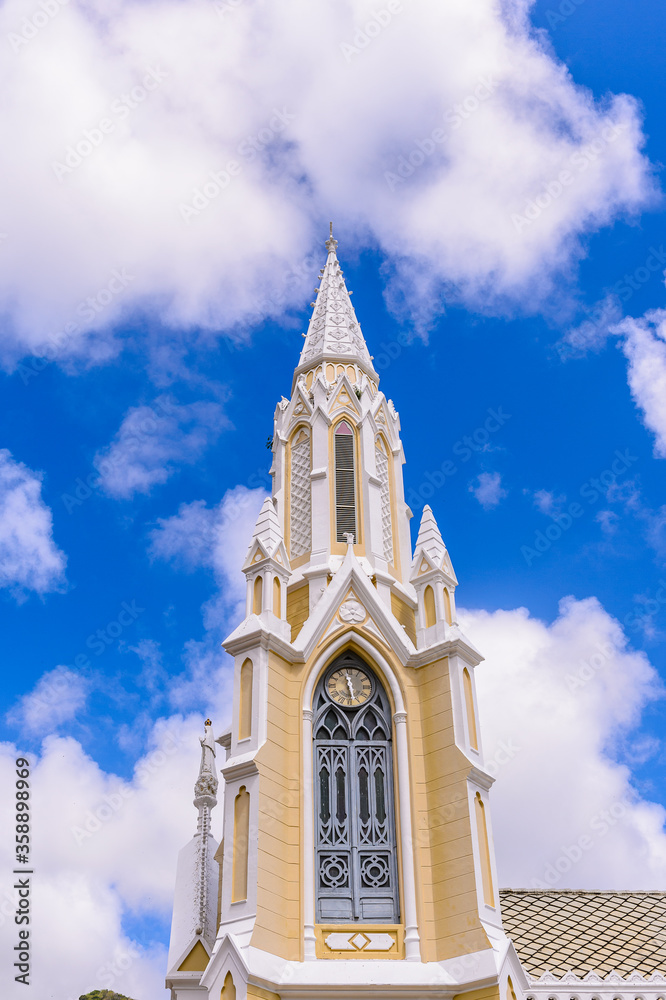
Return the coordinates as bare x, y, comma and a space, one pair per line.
334, 333
430, 543
205, 799
430, 537
267, 530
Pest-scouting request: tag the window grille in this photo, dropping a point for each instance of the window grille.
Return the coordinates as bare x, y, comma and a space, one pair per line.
356, 869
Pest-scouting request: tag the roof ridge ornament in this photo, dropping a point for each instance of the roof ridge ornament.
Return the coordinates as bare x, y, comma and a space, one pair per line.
331, 242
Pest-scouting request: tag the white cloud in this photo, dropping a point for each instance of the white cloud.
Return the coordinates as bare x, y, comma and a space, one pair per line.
216, 538
463, 99
487, 488
594, 331
107, 851
56, 698
566, 699
29, 558
152, 441
644, 346
608, 519
547, 503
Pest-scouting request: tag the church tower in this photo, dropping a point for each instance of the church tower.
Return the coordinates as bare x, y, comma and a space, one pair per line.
357, 852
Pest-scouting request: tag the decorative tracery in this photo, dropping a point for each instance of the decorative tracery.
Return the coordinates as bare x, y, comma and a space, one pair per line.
355, 839
382, 466
300, 496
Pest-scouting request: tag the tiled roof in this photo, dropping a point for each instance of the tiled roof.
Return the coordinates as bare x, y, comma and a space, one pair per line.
581, 932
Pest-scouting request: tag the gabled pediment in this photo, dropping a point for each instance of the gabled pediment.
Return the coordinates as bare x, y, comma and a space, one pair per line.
300, 407
351, 601
344, 398
384, 423
227, 957
193, 958
256, 554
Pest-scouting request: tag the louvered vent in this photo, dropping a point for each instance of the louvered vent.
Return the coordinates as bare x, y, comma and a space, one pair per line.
345, 486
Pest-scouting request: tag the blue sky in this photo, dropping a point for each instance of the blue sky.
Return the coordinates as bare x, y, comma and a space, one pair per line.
189, 357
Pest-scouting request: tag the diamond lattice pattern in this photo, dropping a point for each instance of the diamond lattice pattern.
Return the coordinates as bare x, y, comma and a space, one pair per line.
301, 503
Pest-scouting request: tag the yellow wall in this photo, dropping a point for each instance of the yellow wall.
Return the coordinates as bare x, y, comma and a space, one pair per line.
447, 904
489, 993
260, 994
405, 616
450, 923
298, 608
278, 926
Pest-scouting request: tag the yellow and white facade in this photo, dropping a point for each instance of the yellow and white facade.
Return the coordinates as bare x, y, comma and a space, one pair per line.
345, 628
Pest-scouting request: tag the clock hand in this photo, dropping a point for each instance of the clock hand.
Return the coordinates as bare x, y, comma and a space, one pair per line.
350, 686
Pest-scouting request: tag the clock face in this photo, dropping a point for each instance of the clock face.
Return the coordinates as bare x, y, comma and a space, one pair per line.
349, 687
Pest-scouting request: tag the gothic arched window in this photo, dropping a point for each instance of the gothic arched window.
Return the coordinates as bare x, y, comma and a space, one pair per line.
355, 843
345, 483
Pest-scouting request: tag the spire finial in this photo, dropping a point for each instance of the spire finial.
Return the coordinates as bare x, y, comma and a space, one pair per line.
331, 243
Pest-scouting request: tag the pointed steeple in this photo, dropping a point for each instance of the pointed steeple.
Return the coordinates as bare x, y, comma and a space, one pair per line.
194, 921
267, 540
334, 333
430, 537
430, 545
205, 799
267, 529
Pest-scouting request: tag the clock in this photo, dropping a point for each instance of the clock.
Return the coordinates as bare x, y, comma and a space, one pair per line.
349, 687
